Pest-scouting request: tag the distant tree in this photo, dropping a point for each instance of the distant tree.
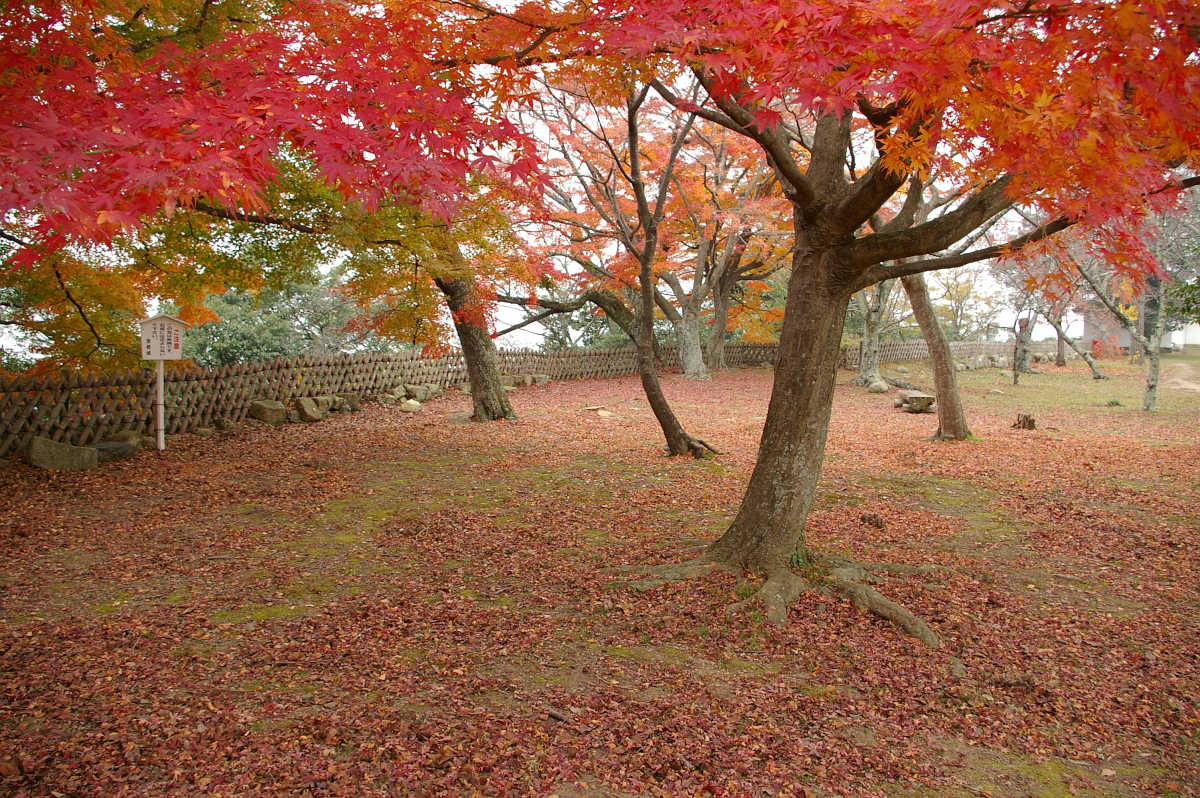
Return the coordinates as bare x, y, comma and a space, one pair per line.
298, 319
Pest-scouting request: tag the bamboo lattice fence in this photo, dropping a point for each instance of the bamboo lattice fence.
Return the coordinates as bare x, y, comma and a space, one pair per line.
84, 409
916, 349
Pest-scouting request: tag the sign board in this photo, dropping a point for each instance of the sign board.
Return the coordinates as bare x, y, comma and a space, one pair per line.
162, 338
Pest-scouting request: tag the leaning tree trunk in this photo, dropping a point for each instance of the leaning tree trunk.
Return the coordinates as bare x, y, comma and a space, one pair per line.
768, 531
952, 418
678, 441
1085, 355
691, 353
479, 351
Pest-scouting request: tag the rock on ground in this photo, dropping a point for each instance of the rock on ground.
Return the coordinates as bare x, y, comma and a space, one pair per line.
269, 410
55, 456
108, 451
309, 409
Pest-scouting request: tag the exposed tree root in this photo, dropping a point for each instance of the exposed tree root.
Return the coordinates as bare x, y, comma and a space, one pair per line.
696, 447
659, 575
852, 583
832, 576
908, 386
778, 591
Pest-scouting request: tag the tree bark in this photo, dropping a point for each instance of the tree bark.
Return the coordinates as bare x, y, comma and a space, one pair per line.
768, 531
691, 353
1060, 350
479, 351
722, 294
871, 307
952, 418
678, 441
1153, 333
1021, 349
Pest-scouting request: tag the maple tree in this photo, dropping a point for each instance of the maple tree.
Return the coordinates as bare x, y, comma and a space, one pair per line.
977, 92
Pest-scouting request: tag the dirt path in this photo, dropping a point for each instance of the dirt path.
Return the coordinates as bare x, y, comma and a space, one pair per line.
1185, 376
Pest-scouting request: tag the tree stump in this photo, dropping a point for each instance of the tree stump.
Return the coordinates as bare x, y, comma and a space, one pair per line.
1024, 421
915, 401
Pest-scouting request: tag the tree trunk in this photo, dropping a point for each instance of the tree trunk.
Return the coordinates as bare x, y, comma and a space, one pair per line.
768, 530
952, 418
691, 354
1083, 353
479, 351
872, 312
868, 364
1060, 351
714, 354
1153, 332
678, 441
1021, 350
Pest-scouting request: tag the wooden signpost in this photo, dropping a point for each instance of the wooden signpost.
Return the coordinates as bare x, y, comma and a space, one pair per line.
162, 339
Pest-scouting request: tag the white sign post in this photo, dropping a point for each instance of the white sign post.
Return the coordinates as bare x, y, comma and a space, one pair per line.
162, 339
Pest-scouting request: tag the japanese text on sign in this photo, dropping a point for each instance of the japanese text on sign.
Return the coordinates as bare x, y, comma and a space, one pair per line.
162, 339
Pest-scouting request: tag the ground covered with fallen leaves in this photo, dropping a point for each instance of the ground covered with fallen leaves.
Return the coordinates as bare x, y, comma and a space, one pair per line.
385, 604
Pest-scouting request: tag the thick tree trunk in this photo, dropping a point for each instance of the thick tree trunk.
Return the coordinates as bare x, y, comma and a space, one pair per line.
868, 365
768, 531
1060, 350
872, 312
479, 351
1085, 355
715, 350
952, 418
691, 354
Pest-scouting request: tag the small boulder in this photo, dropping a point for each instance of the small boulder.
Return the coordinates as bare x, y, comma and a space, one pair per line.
917, 401
309, 410
128, 436
510, 380
269, 411
223, 423
55, 456
351, 400
108, 451
325, 402
540, 379
418, 392
433, 389
410, 406
901, 370
293, 416
879, 386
